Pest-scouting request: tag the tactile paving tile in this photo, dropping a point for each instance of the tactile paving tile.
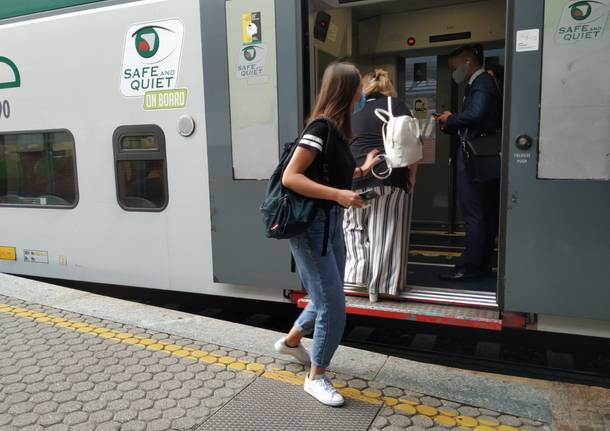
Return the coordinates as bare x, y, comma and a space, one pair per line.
268, 405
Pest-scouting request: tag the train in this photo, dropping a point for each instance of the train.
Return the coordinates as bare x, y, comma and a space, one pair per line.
137, 137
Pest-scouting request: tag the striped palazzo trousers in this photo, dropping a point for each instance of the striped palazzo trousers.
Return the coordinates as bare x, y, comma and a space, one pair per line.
377, 242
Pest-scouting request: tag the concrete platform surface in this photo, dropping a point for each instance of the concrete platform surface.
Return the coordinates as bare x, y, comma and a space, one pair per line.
71, 360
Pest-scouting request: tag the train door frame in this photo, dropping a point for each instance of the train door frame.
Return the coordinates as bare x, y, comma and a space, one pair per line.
241, 254
438, 294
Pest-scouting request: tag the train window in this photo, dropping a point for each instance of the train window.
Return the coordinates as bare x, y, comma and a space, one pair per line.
38, 169
140, 167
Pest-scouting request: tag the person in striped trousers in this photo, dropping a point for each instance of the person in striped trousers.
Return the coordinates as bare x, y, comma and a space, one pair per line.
377, 237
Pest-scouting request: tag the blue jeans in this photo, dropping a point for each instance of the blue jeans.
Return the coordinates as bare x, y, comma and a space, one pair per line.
322, 278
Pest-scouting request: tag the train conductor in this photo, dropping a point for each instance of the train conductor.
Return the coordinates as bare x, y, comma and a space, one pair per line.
479, 201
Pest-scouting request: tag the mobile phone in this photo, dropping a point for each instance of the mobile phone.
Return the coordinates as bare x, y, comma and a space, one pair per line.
368, 195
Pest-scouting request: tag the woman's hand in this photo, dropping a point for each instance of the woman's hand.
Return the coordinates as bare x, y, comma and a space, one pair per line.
412, 180
348, 199
371, 160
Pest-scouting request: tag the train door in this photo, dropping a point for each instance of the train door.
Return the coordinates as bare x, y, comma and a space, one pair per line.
412, 40
253, 94
243, 82
557, 161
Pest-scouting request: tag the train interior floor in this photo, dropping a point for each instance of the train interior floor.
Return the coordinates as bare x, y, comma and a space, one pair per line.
72, 360
433, 253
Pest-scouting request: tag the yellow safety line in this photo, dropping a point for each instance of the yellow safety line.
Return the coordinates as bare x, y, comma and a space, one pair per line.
434, 253
441, 416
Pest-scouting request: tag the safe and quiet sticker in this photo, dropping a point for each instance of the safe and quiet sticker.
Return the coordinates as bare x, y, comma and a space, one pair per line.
151, 57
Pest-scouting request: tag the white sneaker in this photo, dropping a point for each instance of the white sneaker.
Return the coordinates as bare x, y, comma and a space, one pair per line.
299, 352
323, 390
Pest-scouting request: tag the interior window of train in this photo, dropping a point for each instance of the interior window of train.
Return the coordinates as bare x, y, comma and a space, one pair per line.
38, 169
141, 168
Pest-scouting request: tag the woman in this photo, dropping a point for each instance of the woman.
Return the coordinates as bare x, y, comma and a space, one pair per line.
377, 236
322, 276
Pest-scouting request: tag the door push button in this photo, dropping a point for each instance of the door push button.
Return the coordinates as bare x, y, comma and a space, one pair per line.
524, 142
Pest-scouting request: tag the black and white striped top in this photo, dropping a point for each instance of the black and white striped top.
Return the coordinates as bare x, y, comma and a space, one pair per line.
341, 161
314, 136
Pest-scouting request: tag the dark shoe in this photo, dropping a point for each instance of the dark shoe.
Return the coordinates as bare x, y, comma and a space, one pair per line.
462, 273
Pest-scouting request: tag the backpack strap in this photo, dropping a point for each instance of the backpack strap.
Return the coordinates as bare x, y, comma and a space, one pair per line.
390, 106
326, 179
326, 237
325, 150
383, 115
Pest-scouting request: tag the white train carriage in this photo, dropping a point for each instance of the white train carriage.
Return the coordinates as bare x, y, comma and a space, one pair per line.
136, 138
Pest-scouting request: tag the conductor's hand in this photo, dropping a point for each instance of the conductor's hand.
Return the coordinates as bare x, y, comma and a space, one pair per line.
348, 199
442, 119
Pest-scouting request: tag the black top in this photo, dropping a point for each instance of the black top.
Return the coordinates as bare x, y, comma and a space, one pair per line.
341, 163
367, 137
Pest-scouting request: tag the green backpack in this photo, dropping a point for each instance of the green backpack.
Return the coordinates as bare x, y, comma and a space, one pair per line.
286, 213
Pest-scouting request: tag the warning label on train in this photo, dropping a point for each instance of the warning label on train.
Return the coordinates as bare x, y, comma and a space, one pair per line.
36, 256
582, 20
151, 58
251, 28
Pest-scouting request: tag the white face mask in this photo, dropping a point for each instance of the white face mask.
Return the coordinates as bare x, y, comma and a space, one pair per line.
459, 74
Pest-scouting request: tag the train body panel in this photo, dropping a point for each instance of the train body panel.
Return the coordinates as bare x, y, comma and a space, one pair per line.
72, 69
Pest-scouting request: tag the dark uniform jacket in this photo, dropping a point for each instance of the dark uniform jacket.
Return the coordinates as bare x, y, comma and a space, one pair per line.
481, 111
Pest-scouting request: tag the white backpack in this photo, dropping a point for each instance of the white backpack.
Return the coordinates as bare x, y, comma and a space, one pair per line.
401, 140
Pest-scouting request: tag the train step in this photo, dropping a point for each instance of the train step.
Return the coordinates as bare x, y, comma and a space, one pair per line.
419, 312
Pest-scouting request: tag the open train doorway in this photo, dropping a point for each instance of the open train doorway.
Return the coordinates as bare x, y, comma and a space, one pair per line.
412, 40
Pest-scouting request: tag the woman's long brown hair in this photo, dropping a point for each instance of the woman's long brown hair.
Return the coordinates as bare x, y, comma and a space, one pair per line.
335, 100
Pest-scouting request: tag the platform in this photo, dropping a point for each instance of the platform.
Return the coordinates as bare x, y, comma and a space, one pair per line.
71, 360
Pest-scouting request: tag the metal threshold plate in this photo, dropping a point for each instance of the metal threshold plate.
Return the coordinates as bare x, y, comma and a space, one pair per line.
435, 295
271, 405
422, 312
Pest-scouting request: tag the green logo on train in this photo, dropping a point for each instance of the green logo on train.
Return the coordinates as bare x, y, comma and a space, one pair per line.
249, 53
582, 10
582, 20
9, 74
147, 42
